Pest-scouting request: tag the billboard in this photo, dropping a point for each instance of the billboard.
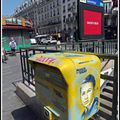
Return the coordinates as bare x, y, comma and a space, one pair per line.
90, 21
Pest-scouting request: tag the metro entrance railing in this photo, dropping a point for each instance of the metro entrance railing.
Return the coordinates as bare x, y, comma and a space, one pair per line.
96, 46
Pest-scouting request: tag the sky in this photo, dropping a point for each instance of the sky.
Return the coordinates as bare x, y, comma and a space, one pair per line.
8, 6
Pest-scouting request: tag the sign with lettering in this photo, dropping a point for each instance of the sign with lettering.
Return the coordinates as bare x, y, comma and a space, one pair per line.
84, 1
48, 60
95, 2
92, 25
90, 21
16, 21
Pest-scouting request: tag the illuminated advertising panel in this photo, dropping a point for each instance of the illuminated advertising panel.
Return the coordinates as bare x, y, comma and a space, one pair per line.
90, 21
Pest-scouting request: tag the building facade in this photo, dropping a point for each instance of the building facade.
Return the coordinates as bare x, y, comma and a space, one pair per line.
57, 16
28, 11
49, 17
45, 14
110, 19
69, 17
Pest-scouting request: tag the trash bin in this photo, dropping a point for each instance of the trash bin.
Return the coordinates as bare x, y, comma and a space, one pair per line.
67, 85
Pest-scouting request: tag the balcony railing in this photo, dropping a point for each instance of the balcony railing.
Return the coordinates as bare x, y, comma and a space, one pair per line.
50, 23
70, 19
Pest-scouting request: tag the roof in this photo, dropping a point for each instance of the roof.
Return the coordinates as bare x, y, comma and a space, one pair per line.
16, 27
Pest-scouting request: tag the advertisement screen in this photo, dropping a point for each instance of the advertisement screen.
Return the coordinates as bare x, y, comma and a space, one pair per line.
92, 22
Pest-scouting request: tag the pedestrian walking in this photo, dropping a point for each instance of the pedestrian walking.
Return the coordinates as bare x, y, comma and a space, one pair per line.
59, 44
13, 46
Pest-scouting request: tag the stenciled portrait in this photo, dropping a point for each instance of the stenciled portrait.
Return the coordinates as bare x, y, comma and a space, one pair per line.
88, 99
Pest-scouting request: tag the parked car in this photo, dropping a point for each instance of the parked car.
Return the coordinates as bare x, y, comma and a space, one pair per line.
40, 38
52, 41
43, 41
49, 40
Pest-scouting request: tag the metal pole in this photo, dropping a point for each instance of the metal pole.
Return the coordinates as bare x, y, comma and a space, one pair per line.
21, 64
103, 46
93, 46
80, 45
115, 91
28, 69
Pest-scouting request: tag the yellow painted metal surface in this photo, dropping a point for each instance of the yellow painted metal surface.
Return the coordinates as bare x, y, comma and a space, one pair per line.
67, 84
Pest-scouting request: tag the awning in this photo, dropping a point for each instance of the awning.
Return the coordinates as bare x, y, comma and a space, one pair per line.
16, 27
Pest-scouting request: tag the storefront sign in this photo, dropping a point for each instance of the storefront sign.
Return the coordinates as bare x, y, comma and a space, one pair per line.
9, 21
93, 2
16, 21
84, 1
27, 23
19, 22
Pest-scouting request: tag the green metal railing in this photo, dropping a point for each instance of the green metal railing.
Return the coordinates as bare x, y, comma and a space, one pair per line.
95, 46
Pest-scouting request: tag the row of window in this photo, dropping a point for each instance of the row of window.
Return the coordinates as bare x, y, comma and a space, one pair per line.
66, 27
47, 31
107, 7
54, 4
49, 15
49, 6
50, 22
68, 7
65, 1
65, 17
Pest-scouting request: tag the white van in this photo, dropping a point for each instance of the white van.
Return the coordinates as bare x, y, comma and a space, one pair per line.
33, 41
41, 38
49, 40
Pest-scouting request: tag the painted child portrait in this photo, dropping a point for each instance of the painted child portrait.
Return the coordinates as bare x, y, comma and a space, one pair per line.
89, 101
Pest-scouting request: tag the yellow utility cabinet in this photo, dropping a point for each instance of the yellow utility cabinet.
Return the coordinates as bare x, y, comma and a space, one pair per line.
67, 85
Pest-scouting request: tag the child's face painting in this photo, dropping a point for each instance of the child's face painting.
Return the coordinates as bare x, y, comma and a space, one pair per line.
87, 93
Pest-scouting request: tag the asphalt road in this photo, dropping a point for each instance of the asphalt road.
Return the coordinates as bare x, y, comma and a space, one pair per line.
12, 106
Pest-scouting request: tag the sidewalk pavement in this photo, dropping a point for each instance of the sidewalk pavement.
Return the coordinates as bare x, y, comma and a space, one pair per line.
12, 106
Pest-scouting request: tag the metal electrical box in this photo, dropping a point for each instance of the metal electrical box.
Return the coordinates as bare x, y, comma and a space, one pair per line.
67, 85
